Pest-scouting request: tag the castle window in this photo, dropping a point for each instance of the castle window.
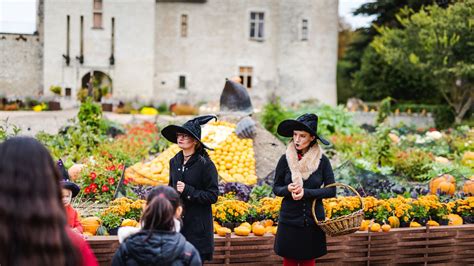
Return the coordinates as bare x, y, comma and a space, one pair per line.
257, 22
245, 74
304, 30
97, 14
184, 25
182, 82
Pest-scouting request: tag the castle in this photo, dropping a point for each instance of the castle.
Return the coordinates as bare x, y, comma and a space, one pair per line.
167, 50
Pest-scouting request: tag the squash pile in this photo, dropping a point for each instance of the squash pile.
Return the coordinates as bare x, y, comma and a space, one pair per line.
155, 172
234, 158
244, 229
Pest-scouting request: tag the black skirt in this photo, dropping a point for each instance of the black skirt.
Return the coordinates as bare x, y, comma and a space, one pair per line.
300, 243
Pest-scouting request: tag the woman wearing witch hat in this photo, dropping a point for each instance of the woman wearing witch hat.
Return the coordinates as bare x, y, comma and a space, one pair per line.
194, 176
299, 176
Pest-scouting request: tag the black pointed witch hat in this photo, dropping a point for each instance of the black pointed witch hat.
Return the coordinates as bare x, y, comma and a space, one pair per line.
191, 127
65, 182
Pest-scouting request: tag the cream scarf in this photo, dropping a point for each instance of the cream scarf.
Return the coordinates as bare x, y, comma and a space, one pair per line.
302, 169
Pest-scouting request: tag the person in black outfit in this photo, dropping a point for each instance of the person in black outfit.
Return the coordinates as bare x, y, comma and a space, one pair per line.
194, 176
158, 242
299, 175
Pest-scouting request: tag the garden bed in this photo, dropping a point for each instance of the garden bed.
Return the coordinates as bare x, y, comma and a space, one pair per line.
443, 244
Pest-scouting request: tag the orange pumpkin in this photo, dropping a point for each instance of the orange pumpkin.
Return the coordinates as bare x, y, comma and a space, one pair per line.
435, 183
447, 188
450, 178
432, 223
267, 223
274, 230
90, 224
364, 226
375, 227
468, 188
454, 219
222, 231
415, 224
259, 230
394, 221
75, 171
242, 231
386, 227
255, 224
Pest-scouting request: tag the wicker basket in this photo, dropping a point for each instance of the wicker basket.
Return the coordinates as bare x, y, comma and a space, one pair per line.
342, 225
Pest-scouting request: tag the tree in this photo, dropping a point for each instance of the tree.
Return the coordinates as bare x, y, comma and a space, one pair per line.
384, 12
437, 42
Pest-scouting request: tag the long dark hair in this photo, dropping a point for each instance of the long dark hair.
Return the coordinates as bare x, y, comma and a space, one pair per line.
162, 203
33, 220
199, 149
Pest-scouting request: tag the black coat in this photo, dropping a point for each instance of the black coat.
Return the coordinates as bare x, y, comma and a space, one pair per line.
162, 248
298, 236
298, 212
200, 192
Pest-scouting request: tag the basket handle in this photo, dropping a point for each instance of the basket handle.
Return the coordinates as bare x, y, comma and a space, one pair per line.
335, 185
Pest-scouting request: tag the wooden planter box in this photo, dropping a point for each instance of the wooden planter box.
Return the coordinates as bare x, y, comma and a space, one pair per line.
409, 246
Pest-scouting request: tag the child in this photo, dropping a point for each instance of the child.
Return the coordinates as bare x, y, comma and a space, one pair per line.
158, 242
69, 191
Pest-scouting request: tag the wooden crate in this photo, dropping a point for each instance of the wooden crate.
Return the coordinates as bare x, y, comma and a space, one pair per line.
444, 245
104, 248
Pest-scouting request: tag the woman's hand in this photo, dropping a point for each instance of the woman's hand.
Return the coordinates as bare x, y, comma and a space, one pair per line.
292, 187
180, 186
298, 195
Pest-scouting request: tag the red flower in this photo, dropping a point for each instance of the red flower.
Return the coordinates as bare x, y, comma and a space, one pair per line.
93, 185
125, 181
105, 188
87, 190
93, 175
111, 180
112, 168
94, 190
120, 166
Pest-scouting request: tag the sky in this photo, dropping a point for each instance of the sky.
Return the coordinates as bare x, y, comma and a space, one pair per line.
19, 16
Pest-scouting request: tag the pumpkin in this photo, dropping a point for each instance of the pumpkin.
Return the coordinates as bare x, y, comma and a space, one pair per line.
449, 178
75, 171
242, 231
454, 219
216, 227
415, 224
274, 230
246, 225
468, 188
386, 227
447, 188
364, 226
223, 231
432, 223
256, 224
394, 221
267, 223
102, 231
375, 227
129, 222
90, 224
258, 230
435, 184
